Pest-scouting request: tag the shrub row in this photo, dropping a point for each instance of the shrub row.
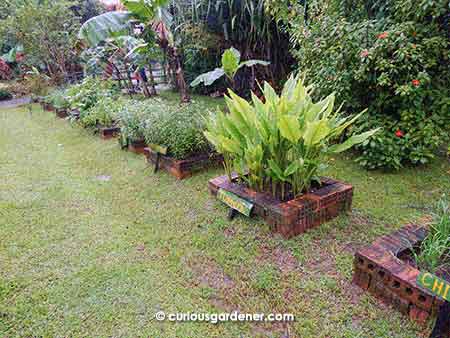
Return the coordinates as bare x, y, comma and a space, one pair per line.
176, 126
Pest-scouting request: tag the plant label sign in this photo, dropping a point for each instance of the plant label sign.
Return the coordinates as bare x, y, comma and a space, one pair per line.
158, 149
235, 202
435, 285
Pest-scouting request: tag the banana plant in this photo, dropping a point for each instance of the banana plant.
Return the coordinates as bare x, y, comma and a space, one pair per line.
281, 144
231, 63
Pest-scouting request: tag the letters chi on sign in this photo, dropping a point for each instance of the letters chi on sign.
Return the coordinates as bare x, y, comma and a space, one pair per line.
436, 285
235, 202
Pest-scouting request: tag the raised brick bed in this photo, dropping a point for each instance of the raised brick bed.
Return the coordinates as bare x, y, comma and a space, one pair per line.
183, 168
296, 216
75, 114
137, 147
107, 133
61, 112
378, 269
47, 106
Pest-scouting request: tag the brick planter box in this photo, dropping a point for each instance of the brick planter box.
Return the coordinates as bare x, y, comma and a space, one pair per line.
381, 269
107, 133
61, 112
183, 168
137, 147
75, 114
47, 106
296, 216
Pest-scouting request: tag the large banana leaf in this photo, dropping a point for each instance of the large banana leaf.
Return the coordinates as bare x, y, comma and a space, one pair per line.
208, 78
102, 27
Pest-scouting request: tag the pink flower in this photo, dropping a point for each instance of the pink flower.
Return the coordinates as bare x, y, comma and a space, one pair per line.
415, 83
383, 35
364, 53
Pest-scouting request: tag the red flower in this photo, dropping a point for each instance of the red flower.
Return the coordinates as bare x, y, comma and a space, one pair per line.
383, 35
399, 133
415, 83
364, 53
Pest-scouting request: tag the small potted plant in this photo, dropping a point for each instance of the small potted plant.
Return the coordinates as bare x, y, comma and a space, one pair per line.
273, 153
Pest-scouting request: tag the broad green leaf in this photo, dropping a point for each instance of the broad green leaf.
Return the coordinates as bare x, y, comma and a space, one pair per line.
291, 169
276, 170
229, 145
315, 132
352, 141
290, 128
230, 62
251, 63
102, 27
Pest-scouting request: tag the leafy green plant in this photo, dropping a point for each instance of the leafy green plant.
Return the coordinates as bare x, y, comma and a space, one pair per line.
132, 119
58, 99
104, 112
37, 82
85, 95
5, 95
434, 250
180, 128
47, 31
280, 144
231, 63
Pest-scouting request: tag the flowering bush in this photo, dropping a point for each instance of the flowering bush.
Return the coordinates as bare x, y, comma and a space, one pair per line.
392, 60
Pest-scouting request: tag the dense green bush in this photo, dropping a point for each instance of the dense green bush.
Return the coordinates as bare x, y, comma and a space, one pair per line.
201, 53
85, 95
132, 118
391, 58
5, 95
104, 112
180, 128
176, 126
57, 99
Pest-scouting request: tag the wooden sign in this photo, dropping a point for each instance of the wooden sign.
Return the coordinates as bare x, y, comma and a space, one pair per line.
435, 285
235, 202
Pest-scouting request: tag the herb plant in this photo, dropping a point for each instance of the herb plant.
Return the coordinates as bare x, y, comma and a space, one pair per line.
132, 118
180, 128
86, 94
104, 113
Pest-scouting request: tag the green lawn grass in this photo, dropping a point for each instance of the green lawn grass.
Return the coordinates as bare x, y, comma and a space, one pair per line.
84, 256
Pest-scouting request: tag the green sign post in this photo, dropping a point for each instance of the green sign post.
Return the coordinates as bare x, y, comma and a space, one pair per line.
159, 150
440, 288
235, 203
